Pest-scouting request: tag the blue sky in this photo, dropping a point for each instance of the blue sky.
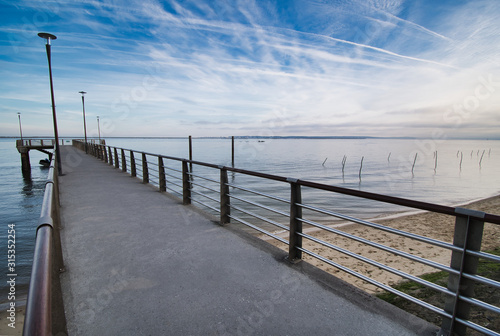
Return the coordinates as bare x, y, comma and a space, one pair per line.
227, 67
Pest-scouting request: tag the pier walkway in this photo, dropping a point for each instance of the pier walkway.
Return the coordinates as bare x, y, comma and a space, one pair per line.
140, 263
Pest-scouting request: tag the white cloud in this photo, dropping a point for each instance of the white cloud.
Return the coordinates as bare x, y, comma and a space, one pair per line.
334, 67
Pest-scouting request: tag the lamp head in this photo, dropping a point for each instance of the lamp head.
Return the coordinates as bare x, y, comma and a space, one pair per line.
47, 36
82, 92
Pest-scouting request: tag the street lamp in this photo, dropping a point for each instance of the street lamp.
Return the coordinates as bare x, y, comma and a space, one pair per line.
20, 128
84, 123
48, 37
99, 130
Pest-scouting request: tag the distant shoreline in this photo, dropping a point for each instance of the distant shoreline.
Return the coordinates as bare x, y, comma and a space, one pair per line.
305, 137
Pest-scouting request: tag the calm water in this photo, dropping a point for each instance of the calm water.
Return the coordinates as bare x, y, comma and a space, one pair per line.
387, 168
387, 165
21, 201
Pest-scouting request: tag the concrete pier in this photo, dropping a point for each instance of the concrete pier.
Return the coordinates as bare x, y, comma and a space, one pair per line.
138, 262
24, 147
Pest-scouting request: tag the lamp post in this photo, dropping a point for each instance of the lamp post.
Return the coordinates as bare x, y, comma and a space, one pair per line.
20, 128
48, 37
99, 130
84, 123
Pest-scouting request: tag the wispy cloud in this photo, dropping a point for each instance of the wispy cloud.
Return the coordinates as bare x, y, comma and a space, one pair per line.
216, 68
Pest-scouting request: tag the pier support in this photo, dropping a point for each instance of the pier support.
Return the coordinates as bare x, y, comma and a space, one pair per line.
25, 161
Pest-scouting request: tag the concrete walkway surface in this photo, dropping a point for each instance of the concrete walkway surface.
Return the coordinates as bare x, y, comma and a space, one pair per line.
140, 263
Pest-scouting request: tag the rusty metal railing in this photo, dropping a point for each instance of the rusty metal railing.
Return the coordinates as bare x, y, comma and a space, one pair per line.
211, 188
44, 306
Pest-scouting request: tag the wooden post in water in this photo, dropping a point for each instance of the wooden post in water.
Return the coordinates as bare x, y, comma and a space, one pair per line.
361, 166
414, 160
232, 151
190, 153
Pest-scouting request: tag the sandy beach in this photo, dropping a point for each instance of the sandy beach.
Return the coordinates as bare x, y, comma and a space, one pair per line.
427, 224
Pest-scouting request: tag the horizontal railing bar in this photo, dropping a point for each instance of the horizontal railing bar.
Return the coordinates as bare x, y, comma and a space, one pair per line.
385, 228
173, 176
206, 196
258, 229
204, 178
482, 280
270, 221
484, 255
205, 187
177, 170
477, 327
208, 206
378, 284
259, 193
382, 247
175, 192
259, 205
481, 304
380, 265
169, 182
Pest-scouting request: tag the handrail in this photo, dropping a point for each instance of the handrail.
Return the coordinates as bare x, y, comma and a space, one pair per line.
44, 306
467, 236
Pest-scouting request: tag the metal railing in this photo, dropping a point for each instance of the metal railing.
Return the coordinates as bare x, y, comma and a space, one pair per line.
210, 187
38, 142
44, 306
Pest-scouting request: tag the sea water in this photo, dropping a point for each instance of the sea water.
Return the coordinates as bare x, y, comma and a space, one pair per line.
20, 206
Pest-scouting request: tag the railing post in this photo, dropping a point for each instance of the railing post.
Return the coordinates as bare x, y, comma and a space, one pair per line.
133, 171
162, 183
225, 205
468, 236
105, 152
295, 240
124, 161
110, 156
117, 163
186, 184
145, 172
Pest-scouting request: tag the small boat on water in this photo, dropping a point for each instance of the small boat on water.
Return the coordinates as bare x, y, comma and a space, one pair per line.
45, 163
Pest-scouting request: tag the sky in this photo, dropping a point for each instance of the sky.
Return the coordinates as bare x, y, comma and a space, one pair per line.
383, 68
